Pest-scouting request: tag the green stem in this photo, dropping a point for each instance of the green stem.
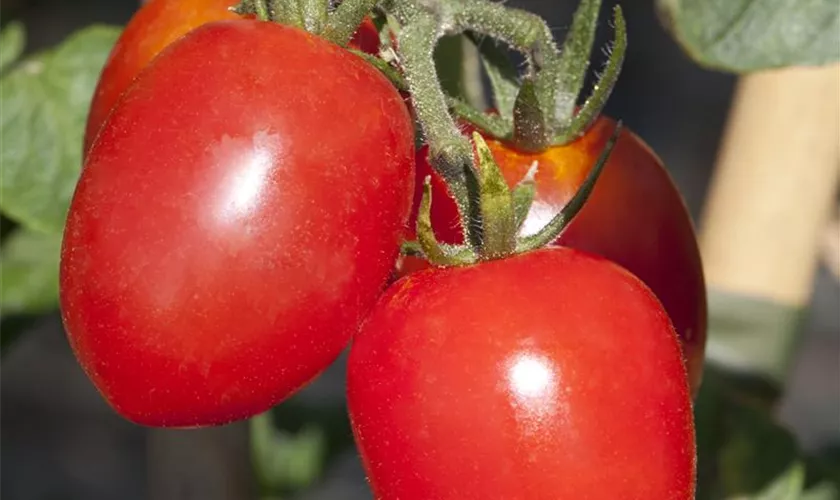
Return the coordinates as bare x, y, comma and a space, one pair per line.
522, 30
434, 251
391, 73
343, 22
287, 12
314, 14
543, 103
262, 11
450, 153
529, 34
411, 248
493, 125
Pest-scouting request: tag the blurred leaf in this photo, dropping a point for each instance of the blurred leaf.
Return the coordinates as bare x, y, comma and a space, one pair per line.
285, 461
749, 35
29, 265
743, 453
459, 69
45, 102
791, 486
788, 486
823, 491
504, 79
12, 40
757, 450
752, 335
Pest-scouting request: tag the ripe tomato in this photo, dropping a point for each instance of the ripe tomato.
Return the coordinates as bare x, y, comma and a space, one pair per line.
635, 217
234, 222
157, 24
153, 27
550, 375
366, 38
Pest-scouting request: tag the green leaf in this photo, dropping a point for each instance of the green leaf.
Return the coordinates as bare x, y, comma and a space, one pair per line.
459, 70
752, 334
757, 453
12, 40
822, 491
743, 453
788, 486
45, 103
29, 263
748, 35
286, 461
504, 80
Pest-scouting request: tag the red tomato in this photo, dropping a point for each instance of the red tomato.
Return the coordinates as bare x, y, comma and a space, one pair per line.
635, 217
366, 38
554, 374
234, 222
157, 24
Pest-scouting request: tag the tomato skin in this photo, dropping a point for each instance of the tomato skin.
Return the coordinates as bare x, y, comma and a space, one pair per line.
234, 222
366, 37
518, 379
155, 25
635, 217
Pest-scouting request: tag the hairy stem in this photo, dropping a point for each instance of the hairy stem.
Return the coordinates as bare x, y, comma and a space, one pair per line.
603, 88
343, 22
529, 34
261, 8
450, 153
286, 12
314, 14
574, 58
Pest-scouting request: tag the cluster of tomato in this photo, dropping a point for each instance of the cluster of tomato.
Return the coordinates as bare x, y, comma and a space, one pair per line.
239, 216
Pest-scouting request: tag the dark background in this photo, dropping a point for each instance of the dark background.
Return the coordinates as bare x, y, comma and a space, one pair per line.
60, 440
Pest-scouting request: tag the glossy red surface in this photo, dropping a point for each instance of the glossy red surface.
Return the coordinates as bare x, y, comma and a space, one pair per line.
153, 27
550, 375
635, 217
234, 222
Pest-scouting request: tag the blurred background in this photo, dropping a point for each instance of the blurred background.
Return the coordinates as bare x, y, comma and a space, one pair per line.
60, 440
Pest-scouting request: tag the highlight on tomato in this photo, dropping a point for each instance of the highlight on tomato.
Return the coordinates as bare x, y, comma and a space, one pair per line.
550, 374
635, 217
234, 223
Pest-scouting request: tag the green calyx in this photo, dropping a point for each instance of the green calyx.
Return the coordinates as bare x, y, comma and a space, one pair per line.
502, 211
315, 16
541, 111
535, 110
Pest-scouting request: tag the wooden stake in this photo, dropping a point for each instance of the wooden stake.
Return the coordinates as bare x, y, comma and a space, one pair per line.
207, 464
774, 184
769, 201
